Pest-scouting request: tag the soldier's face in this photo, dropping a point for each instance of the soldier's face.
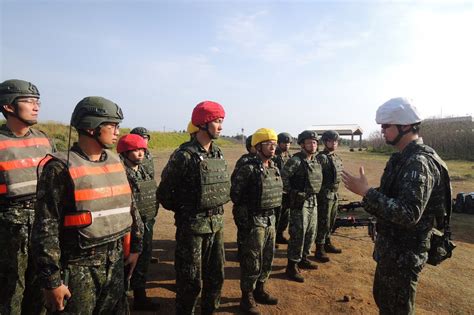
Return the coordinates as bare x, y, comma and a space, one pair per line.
268, 148
27, 109
215, 127
331, 145
389, 132
310, 146
136, 156
284, 146
109, 133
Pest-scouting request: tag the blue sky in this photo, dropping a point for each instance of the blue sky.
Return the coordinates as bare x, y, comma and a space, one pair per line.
279, 64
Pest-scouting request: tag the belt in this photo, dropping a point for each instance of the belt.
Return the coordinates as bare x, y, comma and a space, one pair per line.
24, 203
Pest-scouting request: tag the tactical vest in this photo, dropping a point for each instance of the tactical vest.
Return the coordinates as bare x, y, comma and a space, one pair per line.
148, 164
309, 177
144, 191
335, 162
268, 188
102, 196
214, 182
19, 159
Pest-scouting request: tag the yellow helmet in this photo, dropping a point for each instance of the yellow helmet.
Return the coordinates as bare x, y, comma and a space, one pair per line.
191, 128
263, 134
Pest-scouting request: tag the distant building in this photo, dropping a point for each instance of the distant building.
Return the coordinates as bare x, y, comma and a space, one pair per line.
343, 130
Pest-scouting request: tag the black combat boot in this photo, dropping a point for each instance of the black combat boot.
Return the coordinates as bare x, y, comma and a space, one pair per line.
329, 248
280, 239
293, 272
247, 304
262, 296
306, 264
320, 254
143, 303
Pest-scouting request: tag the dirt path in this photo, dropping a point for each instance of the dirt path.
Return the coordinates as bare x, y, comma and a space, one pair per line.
447, 289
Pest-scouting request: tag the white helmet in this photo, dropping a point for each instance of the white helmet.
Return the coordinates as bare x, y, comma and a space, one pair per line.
398, 111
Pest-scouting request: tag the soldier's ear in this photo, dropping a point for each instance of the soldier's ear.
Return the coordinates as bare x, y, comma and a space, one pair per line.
9, 108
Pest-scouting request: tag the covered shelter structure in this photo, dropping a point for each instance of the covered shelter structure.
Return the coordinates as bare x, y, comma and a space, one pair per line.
343, 130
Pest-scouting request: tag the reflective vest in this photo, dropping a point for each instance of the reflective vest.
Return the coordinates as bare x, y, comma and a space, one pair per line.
102, 197
19, 159
309, 177
214, 180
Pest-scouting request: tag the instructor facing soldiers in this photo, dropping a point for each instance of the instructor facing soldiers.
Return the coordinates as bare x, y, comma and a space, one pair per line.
83, 213
328, 198
21, 149
302, 179
256, 193
195, 185
414, 190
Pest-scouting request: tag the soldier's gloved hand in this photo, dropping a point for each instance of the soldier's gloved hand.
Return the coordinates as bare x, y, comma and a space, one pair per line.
54, 298
132, 261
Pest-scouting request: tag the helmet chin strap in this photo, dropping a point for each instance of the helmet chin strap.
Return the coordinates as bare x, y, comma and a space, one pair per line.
207, 131
261, 152
400, 135
96, 135
16, 114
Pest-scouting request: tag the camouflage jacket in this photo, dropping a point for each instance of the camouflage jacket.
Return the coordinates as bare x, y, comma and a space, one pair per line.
414, 189
331, 166
54, 246
281, 158
148, 164
180, 175
14, 211
293, 171
241, 161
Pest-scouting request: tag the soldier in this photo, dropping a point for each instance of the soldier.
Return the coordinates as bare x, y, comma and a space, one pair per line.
132, 149
282, 155
256, 192
195, 185
302, 179
414, 190
83, 215
148, 161
21, 149
331, 165
251, 153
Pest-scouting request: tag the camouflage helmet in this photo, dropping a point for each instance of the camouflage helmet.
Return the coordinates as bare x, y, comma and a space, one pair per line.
141, 131
307, 134
330, 135
92, 111
248, 143
12, 89
284, 137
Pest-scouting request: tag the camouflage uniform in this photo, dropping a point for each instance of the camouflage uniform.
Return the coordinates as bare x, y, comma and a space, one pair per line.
148, 164
256, 226
96, 275
302, 182
199, 251
20, 292
138, 280
331, 165
235, 209
282, 214
414, 190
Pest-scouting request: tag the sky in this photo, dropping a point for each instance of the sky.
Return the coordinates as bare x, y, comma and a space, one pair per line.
284, 65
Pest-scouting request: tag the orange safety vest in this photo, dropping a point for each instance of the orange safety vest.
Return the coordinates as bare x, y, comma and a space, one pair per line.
102, 197
19, 159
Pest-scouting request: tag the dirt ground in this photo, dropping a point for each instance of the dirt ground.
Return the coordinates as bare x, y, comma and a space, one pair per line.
342, 286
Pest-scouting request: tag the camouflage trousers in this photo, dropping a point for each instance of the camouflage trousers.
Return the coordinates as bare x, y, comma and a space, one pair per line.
20, 293
282, 216
97, 289
327, 213
198, 257
138, 280
395, 287
257, 256
302, 229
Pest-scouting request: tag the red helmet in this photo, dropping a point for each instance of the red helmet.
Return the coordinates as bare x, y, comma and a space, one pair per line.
131, 142
207, 111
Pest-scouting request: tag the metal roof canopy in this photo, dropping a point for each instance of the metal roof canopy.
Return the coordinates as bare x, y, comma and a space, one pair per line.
343, 130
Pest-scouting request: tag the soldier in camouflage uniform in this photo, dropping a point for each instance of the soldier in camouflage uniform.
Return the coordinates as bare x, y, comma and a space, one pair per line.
282, 155
132, 149
195, 185
20, 104
414, 191
83, 218
148, 161
331, 165
250, 155
302, 179
256, 192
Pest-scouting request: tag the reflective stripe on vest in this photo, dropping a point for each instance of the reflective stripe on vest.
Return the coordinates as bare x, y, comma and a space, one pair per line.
102, 189
20, 158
